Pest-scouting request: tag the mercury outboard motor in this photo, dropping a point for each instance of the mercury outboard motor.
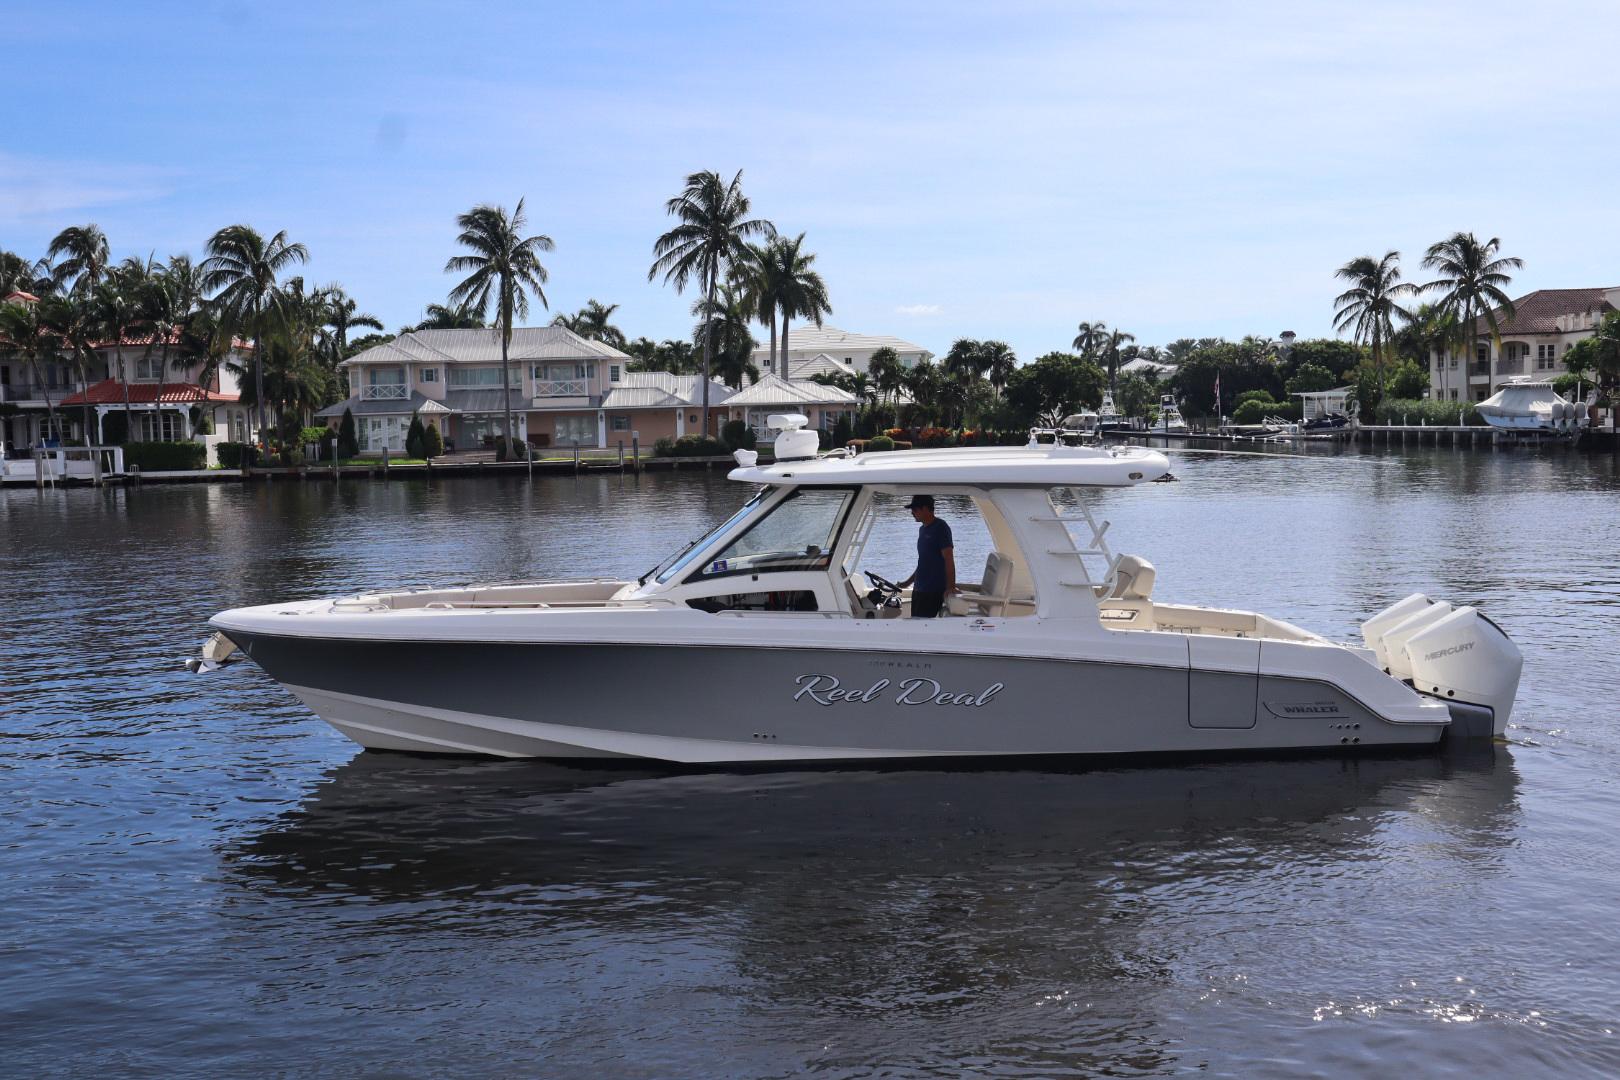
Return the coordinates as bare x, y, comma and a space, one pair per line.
1465, 658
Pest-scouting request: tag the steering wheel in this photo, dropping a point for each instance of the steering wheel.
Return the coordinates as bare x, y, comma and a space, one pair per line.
883, 583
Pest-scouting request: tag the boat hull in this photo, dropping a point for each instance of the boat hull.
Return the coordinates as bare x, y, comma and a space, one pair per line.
729, 704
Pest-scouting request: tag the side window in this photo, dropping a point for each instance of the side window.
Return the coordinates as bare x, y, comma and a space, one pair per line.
613, 373
799, 534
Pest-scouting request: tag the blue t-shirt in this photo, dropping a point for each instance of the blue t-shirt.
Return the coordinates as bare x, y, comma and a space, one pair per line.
933, 540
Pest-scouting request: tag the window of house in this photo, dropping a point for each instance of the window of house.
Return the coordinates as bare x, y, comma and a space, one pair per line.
621, 423
149, 367
162, 426
430, 374
575, 431
613, 373
482, 376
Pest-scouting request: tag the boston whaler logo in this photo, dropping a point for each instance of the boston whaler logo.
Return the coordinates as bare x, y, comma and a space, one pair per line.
1452, 651
1328, 709
827, 690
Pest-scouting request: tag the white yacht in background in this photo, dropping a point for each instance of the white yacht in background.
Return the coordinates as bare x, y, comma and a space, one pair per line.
1531, 405
1169, 421
772, 640
1108, 417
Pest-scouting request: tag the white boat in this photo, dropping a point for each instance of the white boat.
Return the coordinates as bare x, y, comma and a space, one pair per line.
1169, 421
1108, 417
1532, 405
771, 640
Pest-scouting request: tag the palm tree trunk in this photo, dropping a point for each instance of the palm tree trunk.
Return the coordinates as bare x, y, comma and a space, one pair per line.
773, 343
506, 379
258, 380
123, 377
785, 360
708, 342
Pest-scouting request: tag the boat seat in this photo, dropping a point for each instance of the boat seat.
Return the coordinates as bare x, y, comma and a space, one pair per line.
1133, 580
993, 593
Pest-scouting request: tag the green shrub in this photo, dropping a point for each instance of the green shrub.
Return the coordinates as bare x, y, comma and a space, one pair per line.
695, 445
879, 444
1425, 411
842, 431
231, 454
348, 442
432, 441
1250, 395
737, 435
165, 456
664, 447
415, 445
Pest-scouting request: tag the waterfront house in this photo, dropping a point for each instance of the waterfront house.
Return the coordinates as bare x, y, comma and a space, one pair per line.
650, 405
810, 346
1545, 324
823, 404
173, 404
565, 390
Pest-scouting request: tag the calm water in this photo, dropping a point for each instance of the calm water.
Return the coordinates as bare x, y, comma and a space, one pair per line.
199, 878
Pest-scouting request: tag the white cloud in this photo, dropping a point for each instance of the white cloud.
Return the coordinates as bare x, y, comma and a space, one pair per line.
33, 189
918, 309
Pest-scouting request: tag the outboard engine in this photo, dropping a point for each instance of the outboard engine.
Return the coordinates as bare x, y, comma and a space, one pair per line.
1372, 631
1465, 659
1395, 638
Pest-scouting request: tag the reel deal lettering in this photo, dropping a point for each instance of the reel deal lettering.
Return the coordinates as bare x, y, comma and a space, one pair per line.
827, 690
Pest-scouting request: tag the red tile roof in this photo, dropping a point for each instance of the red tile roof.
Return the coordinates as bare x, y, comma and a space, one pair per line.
1538, 312
18, 295
111, 392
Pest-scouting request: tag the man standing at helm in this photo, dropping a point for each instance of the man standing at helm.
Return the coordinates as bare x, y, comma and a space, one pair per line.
935, 575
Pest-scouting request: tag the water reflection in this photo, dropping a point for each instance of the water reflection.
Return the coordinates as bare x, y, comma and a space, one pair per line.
891, 896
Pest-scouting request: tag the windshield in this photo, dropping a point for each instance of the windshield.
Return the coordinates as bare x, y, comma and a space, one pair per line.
797, 534
682, 558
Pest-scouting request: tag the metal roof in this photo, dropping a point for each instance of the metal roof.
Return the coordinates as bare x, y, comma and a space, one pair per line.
485, 401
831, 340
660, 389
775, 390
416, 403
484, 347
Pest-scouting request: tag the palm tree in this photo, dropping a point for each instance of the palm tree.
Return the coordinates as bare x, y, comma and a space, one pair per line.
341, 315
26, 333
999, 362
72, 319
727, 323
504, 266
1090, 338
1110, 350
167, 303
1371, 305
712, 235
116, 305
87, 257
1471, 282
802, 294
17, 274
760, 281
241, 271
888, 375
449, 317
594, 320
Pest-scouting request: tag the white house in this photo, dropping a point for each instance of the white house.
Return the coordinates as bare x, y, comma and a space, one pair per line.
1545, 324
821, 345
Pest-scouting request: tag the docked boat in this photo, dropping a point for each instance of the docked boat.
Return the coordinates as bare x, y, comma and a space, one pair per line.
1108, 417
1528, 405
772, 639
1169, 421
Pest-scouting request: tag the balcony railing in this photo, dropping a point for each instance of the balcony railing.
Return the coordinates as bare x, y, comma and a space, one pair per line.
1510, 367
1478, 368
560, 388
384, 392
32, 391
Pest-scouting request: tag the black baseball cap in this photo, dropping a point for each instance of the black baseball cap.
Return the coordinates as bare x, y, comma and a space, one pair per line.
921, 502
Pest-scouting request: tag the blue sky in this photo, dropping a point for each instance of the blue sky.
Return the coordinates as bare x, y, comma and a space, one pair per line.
978, 170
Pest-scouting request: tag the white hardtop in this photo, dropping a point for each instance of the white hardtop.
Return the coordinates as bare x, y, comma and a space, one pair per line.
990, 466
